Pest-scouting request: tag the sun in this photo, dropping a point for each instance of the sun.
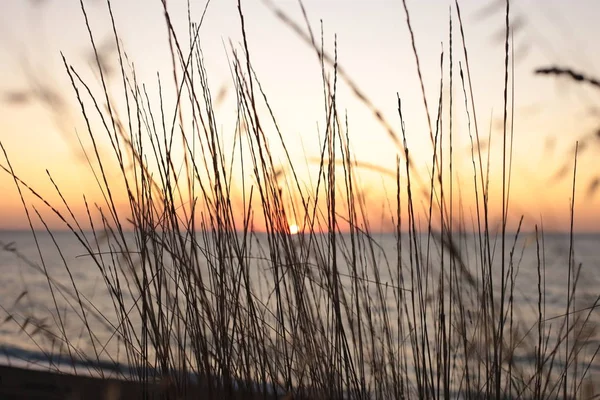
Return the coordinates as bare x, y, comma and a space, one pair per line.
294, 229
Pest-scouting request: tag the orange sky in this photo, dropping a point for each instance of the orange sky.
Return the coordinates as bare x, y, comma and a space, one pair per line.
374, 48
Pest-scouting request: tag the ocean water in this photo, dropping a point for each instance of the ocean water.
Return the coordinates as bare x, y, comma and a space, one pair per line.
36, 282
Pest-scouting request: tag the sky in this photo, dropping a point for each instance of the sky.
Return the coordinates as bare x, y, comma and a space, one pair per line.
374, 48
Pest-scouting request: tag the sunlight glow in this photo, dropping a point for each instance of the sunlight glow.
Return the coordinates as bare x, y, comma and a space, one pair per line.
294, 229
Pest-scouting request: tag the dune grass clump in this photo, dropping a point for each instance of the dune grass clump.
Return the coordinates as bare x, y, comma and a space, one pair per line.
200, 298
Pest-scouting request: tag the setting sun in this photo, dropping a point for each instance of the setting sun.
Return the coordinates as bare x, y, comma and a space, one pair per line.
294, 229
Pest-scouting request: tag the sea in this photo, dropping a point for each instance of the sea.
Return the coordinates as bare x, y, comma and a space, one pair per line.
35, 283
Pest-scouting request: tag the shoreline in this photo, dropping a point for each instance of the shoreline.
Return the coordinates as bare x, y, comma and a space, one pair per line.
18, 383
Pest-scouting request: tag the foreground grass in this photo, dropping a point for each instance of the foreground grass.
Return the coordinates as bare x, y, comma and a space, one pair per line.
329, 318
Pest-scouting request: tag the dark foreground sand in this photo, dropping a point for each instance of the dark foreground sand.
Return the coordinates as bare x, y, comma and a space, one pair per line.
18, 383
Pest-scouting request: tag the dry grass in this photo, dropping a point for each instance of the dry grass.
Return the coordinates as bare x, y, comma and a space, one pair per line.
198, 295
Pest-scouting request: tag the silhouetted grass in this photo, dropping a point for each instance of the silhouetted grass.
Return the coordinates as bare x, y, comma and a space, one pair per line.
201, 298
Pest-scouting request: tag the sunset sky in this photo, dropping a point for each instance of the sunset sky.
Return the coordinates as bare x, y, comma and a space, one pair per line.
374, 48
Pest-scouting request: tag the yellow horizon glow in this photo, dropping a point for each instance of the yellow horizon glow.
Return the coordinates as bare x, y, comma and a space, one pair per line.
37, 138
